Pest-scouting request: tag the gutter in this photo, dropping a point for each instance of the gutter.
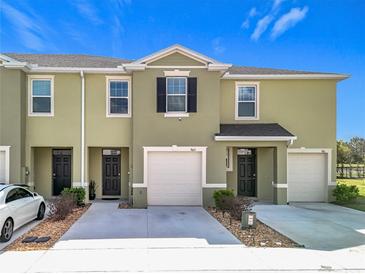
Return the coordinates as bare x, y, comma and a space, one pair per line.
82, 177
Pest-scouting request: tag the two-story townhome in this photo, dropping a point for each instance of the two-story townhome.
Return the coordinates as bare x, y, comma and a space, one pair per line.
167, 129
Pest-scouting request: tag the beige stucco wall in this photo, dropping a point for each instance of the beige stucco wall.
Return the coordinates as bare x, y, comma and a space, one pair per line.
307, 108
12, 120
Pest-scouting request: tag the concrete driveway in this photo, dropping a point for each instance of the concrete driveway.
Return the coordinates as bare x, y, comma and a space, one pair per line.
318, 226
105, 225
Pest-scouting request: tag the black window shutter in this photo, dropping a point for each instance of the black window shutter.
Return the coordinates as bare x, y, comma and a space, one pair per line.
192, 94
161, 94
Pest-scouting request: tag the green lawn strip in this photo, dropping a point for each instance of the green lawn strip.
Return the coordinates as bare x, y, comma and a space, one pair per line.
359, 203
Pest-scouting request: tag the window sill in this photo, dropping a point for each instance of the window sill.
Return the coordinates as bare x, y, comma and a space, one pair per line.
246, 118
40, 114
176, 115
118, 116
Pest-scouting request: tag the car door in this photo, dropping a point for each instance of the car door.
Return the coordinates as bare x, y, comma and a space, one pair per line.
14, 205
20, 203
28, 205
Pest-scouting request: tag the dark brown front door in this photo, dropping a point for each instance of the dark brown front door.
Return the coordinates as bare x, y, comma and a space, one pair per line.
61, 174
111, 174
246, 166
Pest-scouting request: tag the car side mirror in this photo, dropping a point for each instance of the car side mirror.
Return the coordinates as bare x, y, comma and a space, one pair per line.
35, 194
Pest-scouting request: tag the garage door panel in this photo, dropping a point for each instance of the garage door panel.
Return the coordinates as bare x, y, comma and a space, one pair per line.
307, 177
174, 178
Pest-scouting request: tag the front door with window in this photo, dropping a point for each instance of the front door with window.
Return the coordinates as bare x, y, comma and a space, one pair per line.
61, 170
246, 172
111, 172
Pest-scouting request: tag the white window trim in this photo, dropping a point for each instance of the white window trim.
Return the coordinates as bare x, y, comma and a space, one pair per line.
127, 79
257, 102
186, 97
7, 162
229, 159
30, 95
177, 73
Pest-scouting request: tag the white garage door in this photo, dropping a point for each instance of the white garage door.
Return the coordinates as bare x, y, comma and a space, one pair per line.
307, 177
174, 178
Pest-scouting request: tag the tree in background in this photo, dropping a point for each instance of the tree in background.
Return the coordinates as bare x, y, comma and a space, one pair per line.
351, 154
357, 146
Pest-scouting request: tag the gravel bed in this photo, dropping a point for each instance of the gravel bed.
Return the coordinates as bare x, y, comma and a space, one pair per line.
48, 227
261, 236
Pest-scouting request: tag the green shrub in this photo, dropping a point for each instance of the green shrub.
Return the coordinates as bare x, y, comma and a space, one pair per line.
78, 194
222, 198
345, 193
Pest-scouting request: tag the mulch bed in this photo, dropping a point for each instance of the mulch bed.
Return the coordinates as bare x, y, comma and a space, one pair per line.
48, 227
261, 236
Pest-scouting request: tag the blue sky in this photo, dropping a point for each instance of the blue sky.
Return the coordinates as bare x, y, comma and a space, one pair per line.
313, 35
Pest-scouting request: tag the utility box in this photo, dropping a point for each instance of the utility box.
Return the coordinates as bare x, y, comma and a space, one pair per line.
248, 219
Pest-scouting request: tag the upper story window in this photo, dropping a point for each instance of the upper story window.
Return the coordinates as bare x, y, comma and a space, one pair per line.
118, 97
40, 95
176, 94
247, 101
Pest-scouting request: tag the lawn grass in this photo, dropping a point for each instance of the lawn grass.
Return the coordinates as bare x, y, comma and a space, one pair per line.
359, 203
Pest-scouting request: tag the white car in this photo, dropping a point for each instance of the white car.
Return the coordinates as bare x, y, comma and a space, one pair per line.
18, 206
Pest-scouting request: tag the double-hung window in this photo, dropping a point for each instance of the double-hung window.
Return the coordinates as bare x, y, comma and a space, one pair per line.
118, 97
247, 95
41, 95
176, 94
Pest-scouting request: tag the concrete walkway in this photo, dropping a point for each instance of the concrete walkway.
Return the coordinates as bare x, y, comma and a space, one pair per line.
318, 226
173, 226
211, 258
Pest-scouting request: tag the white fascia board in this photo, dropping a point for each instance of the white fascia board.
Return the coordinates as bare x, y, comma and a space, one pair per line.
172, 49
77, 70
285, 76
218, 67
133, 66
255, 138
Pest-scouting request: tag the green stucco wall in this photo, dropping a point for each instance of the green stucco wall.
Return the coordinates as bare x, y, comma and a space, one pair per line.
176, 59
12, 120
63, 129
307, 108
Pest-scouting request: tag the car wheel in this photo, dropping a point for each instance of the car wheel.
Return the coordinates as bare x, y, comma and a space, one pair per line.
7, 230
41, 211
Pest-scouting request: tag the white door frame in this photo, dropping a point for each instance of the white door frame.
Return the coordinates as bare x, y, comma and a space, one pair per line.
327, 151
6, 149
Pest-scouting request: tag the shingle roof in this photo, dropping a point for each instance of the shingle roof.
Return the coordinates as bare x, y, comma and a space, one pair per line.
91, 61
253, 130
268, 71
68, 60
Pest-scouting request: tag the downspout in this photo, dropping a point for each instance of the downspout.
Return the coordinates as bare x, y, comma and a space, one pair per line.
82, 128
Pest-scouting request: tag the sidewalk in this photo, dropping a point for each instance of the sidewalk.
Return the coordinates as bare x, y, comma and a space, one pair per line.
151, 255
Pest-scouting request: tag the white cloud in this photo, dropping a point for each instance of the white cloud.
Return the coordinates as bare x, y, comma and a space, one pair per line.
217, 45
30, 31
88, 11
288, 21
261, 27
252, 13
276, 4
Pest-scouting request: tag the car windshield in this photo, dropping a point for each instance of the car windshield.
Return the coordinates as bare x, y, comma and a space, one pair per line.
2, 186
